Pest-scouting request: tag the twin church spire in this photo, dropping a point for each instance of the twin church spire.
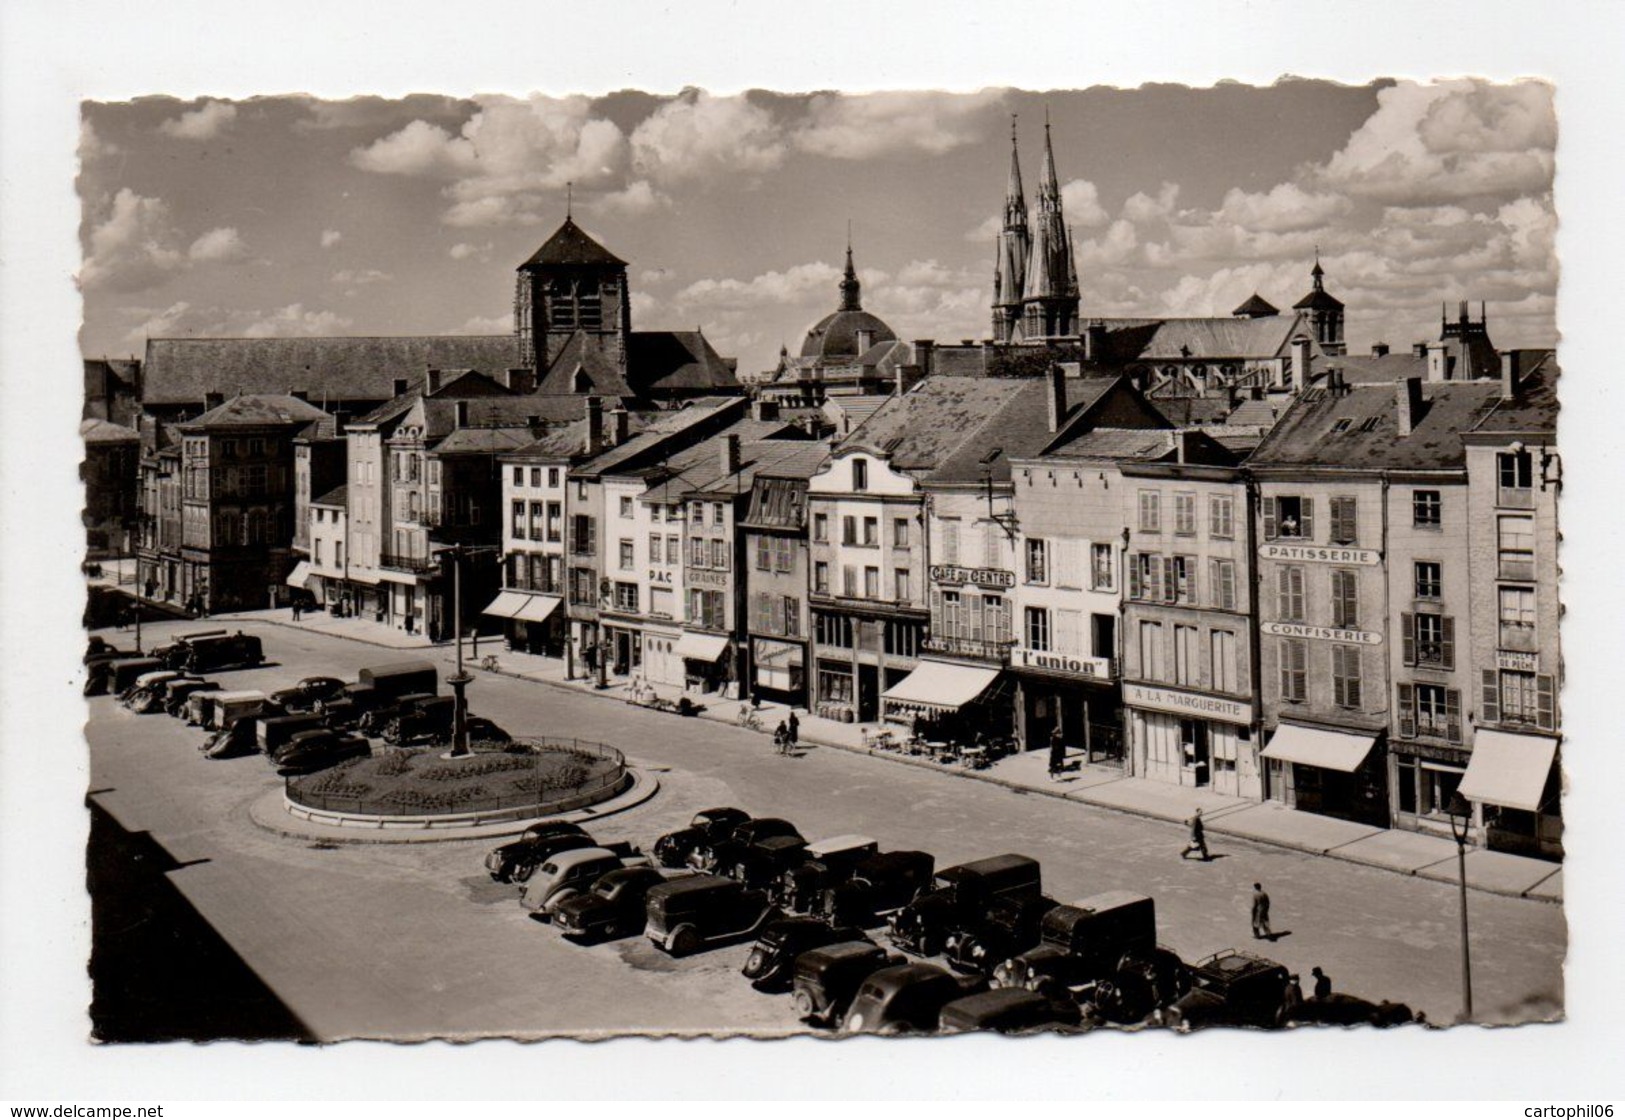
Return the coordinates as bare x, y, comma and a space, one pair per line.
1035, 276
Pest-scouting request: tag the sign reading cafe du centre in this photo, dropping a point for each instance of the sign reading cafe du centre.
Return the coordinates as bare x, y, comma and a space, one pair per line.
981, 577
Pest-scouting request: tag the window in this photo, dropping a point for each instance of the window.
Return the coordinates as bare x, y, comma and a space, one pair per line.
899, 532
1222, 584
1517, 606
536, 477
849, 581
318, 553
626, 596
950, 540
952, 622
1427, 508
1222, 656
900, 585
1516, 541
849, 530
338, 554
1294, 670
655, 549
991, 536
1428, 640
1289, 517
1346, 676
1344, 527
581, 489
871, 531
792, 616
1150, 511
696, 552
783, 555
555, 521
1037, 560
996, 619
764, 554
860, 474
1518, 697
719, 555
519, 476
1187, 655
1515, 470
1151, 666
552, 478
1145, 576
1184, 514
626, 506
871, 583
1180, 586
519, 521
698, 513
538, 513
902, 638
821, 527
821, 578
719, 515
583, 535
1289, 593
1429, 579
626, 555
1037, 628
1345, 598
1429, 709
1100, 567
1221, 516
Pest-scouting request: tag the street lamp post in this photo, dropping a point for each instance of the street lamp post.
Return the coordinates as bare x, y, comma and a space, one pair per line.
1461, 819
459, 681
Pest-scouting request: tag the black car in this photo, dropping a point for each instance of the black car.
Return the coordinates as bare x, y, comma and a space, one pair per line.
689, 914
879, 885
307, 694
760, 864
615, 906
721, 854
771, 965
707, 827
827, 980
1010, 926
320, 749
907, 999
1008, 1010
514, 861
960, 899
1344, 1010
1232, 988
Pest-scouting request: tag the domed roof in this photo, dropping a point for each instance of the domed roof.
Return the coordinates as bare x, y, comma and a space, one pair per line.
836, 335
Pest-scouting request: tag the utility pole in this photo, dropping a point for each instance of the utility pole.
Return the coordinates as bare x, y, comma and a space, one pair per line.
459, 681
1460, 809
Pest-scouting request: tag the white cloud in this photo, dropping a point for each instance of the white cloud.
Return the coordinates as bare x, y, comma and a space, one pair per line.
356, 277
295, 321
697, 136
769, 289
1114, 247
133, 247
486, 324
223, 244
1284, 208
637, 199
1080, 203
185, 319
463, 250
203, 123
1143, 208
330, 238
846, 126
92, 146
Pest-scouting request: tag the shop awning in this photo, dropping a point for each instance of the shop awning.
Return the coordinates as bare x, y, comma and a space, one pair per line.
1509, 770
1316, 746
701, 647
507, 604
537, 608
941, 685
300, 575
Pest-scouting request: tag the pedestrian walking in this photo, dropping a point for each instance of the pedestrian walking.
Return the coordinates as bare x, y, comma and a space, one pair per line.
296, 609
1057, 754
1323, 983
1294, 996
1198, 841
794, 725
1261, 912
781, 738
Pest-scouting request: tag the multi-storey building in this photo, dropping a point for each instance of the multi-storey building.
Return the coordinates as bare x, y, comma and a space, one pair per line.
110, 472
326, 574
779, 618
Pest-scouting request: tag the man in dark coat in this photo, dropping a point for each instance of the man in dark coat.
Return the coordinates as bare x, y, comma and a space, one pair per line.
1261, 912
794, 726
1323, 983
1198, 841
1057, 754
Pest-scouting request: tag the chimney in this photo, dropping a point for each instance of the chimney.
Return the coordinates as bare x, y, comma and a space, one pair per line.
1408, 398
1094, 342
433, 382
1438, 363
461, 409
1379, 349
519, 380
213, 400
618, 424
1185, 445
399, 387
924, 350
764, 409
1056, 397
1509, 375
906, 378
1299, 378
1419, 349
300, 394
595, 426
730, 454
866, 339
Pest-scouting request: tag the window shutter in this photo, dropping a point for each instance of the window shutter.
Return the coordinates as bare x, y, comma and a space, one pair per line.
1447, 642
1490, 697
1306, 525
1170, 578
1546, 702
1228, 570
1135, 589
1452, 714
1283, 592
1407, 712
1407, 627
1269, 519
1351, 528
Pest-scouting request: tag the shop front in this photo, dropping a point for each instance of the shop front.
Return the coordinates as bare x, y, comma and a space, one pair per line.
621, 649
1076, 694
780, 670
1192, 738
706, 664
532, 623
1334, 772
1516, 781
951, 701
661, 663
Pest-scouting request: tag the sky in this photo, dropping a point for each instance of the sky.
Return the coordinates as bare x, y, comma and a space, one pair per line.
292, 216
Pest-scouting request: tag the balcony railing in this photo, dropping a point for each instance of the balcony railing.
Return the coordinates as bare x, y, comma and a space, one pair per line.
977, 648
417, 565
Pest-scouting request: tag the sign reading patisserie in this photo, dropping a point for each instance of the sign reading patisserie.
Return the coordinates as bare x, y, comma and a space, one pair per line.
1321, 633
1187, 703
1319, 554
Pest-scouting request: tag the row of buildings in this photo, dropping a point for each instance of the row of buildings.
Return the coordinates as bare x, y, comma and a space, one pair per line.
1221, 552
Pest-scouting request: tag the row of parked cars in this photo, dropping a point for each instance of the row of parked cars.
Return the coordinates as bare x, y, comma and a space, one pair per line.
883, 942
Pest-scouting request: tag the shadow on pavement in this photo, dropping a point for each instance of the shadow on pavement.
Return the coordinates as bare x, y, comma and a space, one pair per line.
159, 972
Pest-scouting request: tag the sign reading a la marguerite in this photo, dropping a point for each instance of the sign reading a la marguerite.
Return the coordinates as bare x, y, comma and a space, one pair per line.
1319, 554
981, 577
1321, 633
1023, 658
1187, 703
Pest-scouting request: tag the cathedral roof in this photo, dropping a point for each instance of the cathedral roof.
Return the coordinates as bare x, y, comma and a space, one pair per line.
570, 245
1318, 300
836, 334
1256, 307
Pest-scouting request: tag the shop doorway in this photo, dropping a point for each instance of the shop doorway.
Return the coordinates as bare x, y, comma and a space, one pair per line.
868, 693
1193, 738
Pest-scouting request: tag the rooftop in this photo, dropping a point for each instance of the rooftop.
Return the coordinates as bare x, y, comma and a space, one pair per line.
570, 245
338, 496
1534, 410
256, 410
1358, 429
105, 431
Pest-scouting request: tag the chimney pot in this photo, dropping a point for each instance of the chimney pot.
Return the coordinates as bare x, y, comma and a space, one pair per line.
1299, 376
595, 426
433, 382
619, 425
1408, 398
1438, 363
399, 387
730, 454
462, 413
1379, 349
923, 350
765, 409
1056, 397
1509, 375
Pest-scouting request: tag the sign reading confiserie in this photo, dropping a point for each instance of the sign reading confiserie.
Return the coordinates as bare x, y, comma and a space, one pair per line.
1321, 633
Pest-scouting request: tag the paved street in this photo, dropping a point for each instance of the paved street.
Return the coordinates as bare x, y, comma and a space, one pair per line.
414, 940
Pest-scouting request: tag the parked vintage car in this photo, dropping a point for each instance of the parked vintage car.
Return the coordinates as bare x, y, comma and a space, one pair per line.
825, 864
307, 694
151, 690
514, 861
566, 874
227, 651
124, 671
173, 652
1344, 1010
761, 863
239, 737
959, 899
879, 885
180, 691
310, 751
907, 999
719, 855
827, 979
271, 732
707, 827
687, 915
1231, 988
400, 678
1009, 1011
1083, 942
225, 708
374, 722
770, 966
1009, 926
615, 906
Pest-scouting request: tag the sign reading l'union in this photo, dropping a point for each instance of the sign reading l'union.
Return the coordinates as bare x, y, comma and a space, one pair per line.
1322, 633
1319, 554
1023, 658
1187, 703
981, 577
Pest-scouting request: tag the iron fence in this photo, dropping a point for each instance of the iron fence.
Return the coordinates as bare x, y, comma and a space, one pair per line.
608, 778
